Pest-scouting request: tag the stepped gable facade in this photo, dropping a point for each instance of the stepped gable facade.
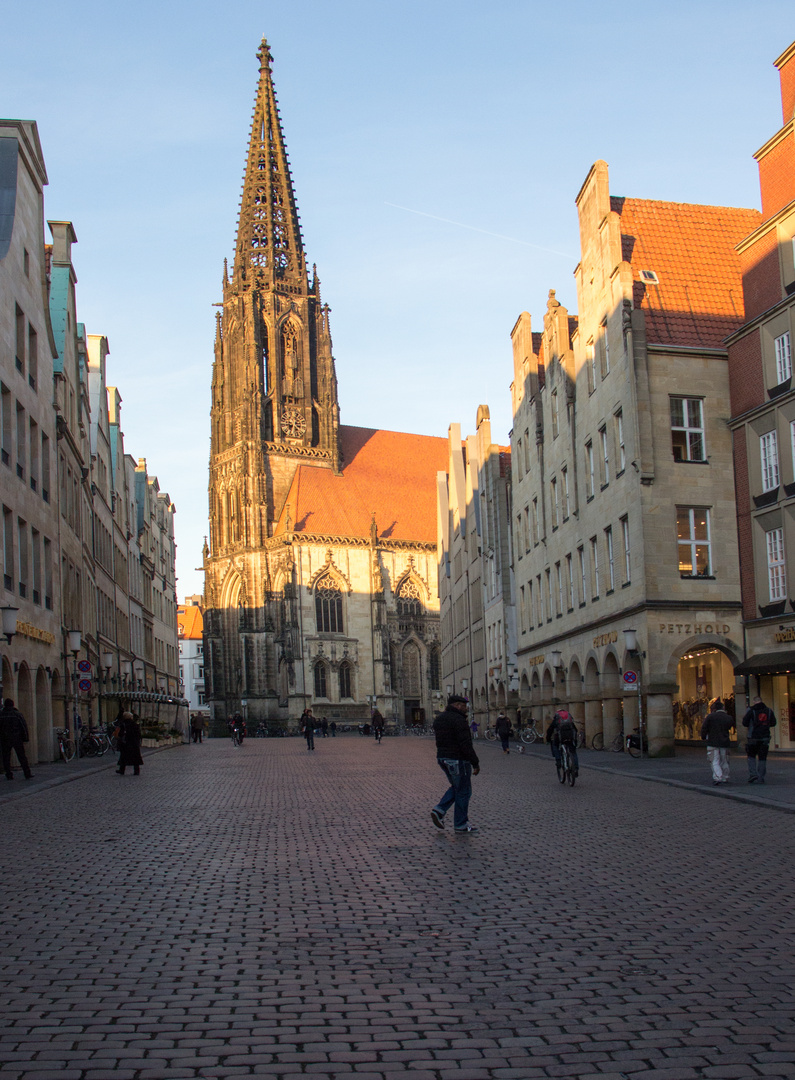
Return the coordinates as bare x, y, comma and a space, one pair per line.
320, 565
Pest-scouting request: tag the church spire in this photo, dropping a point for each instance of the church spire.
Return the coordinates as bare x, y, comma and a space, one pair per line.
269, 249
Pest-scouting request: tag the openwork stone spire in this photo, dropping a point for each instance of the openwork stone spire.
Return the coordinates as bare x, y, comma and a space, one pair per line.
269, 249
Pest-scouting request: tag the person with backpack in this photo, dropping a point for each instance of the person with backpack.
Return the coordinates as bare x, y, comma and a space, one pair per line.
563, 730
760, 720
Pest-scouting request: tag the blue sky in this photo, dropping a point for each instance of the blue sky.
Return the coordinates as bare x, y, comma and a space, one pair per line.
437, 149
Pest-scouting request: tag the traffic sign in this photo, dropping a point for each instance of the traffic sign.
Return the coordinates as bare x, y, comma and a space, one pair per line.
84, 685
84, 665
630, 678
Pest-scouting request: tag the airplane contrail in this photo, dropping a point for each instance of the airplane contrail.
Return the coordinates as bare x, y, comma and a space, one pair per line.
474, 228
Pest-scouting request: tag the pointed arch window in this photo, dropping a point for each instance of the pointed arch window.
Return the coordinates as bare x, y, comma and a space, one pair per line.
411, 671
435, 667
328, 607
345, 680
409, 600
320, 680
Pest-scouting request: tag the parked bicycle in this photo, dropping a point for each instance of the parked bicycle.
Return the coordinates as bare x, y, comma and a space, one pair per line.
66, 748
532, 732
621, 742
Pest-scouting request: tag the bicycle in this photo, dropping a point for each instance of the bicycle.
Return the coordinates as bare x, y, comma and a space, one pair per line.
532, 733
66, 748
616, 744
236, 739
490, 734
261, 732
565, 765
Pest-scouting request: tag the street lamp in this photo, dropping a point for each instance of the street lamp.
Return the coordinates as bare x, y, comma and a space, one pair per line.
9, 622
75, 639
465, 686
126, 671
631, 645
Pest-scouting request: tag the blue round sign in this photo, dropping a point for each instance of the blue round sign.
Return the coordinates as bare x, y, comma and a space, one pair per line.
630, 677
84, 685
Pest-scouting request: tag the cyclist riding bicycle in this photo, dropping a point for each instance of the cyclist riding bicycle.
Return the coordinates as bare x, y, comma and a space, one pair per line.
237, 723
563, 730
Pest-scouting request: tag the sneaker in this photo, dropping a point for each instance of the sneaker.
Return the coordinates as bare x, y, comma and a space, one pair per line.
437, 818
468, 828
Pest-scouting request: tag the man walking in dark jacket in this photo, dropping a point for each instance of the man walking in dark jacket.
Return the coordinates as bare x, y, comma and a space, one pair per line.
715, 729
760, 720
458, 761
13, 736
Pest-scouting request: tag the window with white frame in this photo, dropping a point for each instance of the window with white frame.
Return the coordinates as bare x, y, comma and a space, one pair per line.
622, 453
519, 544
594, 568
590, 366
605, 350
540, 597
565, 478
559, 574
687, 429
783, 357
523, 611
792, 441
526, 451
570, 581
768, 451
519, 456
536, 523
694, 541
527, 528
531, 610
548, 575
776, 569
625, 539
581, 560
605, 456
553, 498
589, 470
554, 404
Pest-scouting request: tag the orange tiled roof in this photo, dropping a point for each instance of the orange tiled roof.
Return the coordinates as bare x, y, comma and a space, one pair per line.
190, 622
388, 473
699, 300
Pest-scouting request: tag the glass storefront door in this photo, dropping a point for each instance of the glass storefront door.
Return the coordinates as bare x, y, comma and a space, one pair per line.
702, 674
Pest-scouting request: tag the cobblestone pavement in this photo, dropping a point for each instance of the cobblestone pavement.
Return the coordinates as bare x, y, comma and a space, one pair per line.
270, 912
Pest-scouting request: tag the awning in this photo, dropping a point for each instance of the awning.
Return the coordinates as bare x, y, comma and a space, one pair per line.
768, 663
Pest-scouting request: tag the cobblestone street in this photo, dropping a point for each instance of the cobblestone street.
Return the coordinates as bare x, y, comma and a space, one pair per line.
270, 912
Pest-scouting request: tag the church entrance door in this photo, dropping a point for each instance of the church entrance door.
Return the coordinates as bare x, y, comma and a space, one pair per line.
414, 714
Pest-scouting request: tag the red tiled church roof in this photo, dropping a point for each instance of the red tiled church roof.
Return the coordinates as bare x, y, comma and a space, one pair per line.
699, 299
386, 473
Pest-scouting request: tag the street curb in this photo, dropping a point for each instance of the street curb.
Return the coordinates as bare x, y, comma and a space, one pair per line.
716, 793
56, 781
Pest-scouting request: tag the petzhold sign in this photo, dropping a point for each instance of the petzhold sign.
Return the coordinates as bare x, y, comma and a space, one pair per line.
694, 628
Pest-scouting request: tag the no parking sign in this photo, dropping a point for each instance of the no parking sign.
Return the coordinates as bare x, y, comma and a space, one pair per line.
630, 680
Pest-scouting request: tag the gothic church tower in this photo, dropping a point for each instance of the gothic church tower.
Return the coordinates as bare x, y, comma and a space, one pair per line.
274, 405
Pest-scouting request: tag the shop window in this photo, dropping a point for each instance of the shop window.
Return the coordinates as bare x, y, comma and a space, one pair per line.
768, 450
776, 569
687, 429
693, 533
702, 675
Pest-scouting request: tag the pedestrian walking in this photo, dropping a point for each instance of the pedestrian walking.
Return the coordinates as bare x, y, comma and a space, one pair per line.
197, 727
473, 727
503, 728
716, 730
333, 729
309, 729
324, 727
458, 761
128, 735
13, 736
760, 720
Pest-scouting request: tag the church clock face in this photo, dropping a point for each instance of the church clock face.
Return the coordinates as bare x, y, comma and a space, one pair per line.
293, 423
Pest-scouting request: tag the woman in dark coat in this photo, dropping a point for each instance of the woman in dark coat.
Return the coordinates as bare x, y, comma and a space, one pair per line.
129, 736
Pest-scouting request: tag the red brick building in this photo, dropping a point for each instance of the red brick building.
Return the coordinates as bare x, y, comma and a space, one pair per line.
763, 423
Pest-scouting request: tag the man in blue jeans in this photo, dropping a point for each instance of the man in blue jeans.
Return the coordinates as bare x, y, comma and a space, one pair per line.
458, 761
